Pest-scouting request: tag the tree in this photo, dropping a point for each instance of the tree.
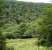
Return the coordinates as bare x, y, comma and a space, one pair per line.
2, 39
43, 25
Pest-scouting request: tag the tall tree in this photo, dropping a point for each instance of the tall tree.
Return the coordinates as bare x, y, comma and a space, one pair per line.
2, 39
43, 25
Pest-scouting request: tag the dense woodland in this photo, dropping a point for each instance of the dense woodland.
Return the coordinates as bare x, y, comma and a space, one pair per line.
26, 20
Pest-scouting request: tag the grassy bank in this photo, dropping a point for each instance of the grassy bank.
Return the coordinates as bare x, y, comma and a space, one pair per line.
24, 44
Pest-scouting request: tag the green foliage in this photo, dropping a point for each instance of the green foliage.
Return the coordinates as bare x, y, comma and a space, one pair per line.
24, 20
43, 26
2, 41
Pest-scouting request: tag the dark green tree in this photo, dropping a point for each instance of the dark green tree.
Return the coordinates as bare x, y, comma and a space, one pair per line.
43, 25
2, 39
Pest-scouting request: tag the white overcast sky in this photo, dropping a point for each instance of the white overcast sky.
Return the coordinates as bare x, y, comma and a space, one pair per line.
44, 1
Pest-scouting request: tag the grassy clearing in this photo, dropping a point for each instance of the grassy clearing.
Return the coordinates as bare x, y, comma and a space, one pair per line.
24, 44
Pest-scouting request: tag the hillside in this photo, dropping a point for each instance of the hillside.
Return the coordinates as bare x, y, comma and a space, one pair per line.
16, 17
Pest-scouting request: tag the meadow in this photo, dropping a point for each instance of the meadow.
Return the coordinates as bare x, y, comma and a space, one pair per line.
24, 44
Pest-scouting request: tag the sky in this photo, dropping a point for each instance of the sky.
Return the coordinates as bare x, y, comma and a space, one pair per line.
44, 1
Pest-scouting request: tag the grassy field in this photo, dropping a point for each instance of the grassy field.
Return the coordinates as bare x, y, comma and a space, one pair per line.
24, 44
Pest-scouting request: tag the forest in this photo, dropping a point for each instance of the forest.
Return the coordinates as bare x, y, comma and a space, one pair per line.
25, 25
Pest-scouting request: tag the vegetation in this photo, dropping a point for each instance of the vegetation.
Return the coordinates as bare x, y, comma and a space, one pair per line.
21, 20
24, 44
2, 38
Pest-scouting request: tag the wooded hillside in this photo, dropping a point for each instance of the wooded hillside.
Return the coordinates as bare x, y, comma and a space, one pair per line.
23, 20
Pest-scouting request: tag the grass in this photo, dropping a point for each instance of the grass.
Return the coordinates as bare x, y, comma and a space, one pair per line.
24, 44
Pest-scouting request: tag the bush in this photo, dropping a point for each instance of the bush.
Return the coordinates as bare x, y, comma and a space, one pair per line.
2, 42
17, 35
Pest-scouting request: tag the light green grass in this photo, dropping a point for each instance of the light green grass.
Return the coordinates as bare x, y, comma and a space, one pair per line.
24, 44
